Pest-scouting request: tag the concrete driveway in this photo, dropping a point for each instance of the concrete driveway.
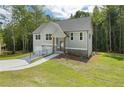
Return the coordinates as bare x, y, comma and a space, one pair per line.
8, 64
19, 64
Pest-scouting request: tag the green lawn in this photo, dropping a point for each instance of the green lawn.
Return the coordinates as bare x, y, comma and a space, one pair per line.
102, 70
14, 56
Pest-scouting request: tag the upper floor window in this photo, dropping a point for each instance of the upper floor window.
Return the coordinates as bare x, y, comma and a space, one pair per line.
37, 37
48, 36
71, 36
81, 36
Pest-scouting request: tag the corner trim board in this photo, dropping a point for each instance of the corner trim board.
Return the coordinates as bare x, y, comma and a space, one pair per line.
76, 48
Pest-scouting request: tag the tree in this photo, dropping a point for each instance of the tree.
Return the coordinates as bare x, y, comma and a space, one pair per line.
24, 22
79, 14
39, 17
121, 22
96, 22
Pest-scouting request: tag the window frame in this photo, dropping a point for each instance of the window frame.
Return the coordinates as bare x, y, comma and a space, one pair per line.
72, 36
48, 36
37, 37
81, 36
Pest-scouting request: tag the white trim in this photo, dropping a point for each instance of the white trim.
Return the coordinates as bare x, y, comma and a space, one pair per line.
76, 48
58, 47
47, 44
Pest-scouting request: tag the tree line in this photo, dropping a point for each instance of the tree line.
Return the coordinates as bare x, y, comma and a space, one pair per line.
18, 33
108, 27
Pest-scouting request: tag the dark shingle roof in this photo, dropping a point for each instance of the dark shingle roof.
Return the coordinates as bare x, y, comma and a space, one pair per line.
76, 24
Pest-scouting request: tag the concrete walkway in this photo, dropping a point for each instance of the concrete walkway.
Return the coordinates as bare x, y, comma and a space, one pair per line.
4, 64
9, 66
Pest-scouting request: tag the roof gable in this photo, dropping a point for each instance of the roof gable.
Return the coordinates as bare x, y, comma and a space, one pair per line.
38, 30
52, 27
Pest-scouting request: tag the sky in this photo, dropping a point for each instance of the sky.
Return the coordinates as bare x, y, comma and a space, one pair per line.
64, 12
5, 13
59, 12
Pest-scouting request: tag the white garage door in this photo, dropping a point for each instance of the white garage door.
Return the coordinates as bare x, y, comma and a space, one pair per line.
46, 49
37, 48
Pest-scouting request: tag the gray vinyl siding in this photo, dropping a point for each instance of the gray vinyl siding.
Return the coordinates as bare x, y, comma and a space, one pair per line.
36, 43
76, 43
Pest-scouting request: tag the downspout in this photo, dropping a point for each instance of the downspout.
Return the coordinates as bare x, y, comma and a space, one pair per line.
87, 43
53, 44
64, 44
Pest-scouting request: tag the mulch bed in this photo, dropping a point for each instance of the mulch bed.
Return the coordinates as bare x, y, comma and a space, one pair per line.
73, 57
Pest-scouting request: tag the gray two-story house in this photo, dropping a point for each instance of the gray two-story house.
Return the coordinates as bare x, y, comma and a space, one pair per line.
72, 36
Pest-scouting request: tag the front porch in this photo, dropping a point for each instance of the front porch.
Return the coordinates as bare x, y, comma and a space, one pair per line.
58, 44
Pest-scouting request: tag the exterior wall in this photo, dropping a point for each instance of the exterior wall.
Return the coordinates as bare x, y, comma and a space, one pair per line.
51, 28
77, 52
76, 42
37, 44
77, 46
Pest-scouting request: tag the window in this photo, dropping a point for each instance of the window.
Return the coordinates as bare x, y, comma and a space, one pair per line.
81, 36
48, 36
71, 36
37, 37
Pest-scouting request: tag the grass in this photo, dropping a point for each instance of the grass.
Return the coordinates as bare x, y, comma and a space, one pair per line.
102, 70
14, 56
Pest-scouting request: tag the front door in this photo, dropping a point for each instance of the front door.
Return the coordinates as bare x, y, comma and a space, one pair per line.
61, 45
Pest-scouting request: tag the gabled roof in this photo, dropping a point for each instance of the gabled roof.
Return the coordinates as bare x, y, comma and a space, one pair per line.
76, 24
38, 30
51, 26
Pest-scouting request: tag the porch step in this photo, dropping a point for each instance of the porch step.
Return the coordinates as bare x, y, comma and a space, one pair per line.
59, 52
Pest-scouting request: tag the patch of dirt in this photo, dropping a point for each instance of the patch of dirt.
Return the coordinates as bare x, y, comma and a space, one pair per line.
73, 57
93, 58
